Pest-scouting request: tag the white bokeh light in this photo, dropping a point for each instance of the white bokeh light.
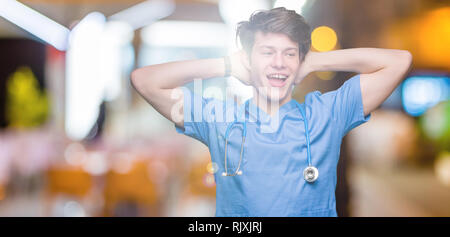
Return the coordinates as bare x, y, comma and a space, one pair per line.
296, 5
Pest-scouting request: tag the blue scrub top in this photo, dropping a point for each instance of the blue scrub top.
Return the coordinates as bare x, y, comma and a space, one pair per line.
272, 182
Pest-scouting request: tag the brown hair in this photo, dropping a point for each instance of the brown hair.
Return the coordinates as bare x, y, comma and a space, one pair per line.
276, 20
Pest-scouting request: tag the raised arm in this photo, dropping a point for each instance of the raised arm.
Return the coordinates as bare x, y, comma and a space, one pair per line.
158, 83
381, 70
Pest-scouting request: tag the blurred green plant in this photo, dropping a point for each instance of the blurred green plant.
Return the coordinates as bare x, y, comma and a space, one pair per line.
435, 124
26, 105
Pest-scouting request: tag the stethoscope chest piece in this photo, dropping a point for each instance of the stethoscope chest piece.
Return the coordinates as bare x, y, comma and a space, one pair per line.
239, 172
310, 174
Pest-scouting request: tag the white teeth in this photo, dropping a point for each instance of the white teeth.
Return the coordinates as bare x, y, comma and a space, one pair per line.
277, 76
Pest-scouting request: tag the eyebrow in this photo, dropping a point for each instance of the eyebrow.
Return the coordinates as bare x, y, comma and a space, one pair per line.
271, 47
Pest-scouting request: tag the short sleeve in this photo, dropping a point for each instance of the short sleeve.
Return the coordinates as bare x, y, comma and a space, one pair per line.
346, 105
196, 120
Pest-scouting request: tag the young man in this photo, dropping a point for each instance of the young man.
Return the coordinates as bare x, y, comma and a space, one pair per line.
275, 173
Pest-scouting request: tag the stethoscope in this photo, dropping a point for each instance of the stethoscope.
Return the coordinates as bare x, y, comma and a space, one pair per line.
310, 173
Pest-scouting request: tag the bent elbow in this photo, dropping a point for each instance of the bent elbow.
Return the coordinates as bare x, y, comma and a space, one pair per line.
401, 61
407, 58
141, 83
135, 78
138, 81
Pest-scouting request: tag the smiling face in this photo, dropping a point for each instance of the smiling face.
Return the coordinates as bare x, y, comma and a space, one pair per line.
274, 65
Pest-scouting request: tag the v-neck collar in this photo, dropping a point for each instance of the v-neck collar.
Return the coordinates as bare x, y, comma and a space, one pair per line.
260, 115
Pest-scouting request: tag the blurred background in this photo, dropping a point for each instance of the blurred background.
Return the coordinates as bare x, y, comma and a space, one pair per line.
77, 140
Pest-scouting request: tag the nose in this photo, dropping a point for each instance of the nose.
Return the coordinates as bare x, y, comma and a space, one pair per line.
278, 61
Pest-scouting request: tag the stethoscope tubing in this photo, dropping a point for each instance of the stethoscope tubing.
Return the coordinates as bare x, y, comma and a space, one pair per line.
308, 150
244, 134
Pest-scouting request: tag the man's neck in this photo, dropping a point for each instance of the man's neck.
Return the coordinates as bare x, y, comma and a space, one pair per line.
268, 106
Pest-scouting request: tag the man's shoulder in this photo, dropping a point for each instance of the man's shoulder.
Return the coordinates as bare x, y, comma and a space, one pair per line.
218, 110
315, 97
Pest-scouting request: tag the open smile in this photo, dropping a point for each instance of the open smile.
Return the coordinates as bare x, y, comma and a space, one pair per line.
277, 79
